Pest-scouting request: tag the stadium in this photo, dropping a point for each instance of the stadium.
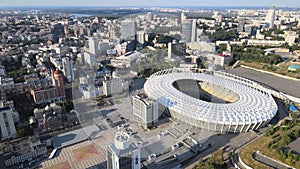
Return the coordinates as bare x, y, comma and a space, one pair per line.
212, 100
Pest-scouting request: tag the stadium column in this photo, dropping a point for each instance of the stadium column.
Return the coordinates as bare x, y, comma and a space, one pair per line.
248, 128
270, 119
222, 127
262, 121
253, 128
242, 127
265, 123
236, 127
256, 126
229, 127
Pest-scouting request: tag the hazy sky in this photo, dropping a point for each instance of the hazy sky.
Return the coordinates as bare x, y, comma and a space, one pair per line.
279, 3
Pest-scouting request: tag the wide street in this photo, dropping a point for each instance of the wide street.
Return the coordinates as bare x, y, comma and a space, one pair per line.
286, 86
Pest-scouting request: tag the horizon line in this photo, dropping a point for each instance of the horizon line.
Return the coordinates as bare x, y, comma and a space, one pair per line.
141, 6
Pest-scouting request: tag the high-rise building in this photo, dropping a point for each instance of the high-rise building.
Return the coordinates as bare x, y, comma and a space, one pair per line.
241, 25
270, 17
58, 32
66, 31
182, 17
189, 31
98, 46
176, 50
128, 29
145, 111
68, 68
194, 31
140, 38
186, 31
93, 45
112, 33
250, 30
149, 16
7, 125
89, 58
123, 154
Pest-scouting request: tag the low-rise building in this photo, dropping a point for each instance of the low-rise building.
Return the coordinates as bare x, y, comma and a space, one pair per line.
25, 149
48, 118
252, 42
290, 37
89, 91
113, 86
47, 91
7, 83
219, 60
127, 59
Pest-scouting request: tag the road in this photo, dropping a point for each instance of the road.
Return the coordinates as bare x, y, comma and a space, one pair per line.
232, 140
268, 162
289, 87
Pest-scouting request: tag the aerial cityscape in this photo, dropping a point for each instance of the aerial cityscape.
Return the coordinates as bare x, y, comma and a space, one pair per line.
149, 84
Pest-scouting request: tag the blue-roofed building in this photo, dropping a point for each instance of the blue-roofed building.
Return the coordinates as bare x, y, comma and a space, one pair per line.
293, 108
294, 67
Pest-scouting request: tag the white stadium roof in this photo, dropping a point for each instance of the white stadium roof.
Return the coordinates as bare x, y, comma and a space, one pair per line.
253, 106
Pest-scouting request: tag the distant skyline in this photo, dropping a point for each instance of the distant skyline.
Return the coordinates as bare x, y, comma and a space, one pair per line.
278, 3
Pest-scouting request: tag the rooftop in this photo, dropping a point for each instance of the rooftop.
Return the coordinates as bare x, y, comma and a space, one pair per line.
73, 137
294, 66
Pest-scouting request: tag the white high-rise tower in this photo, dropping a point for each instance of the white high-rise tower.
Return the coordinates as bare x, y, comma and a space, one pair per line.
182, 17
128, 29
189, 31
194, 31
270, 17
123, 154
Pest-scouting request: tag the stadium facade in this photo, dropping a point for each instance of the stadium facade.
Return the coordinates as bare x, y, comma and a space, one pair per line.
245, 106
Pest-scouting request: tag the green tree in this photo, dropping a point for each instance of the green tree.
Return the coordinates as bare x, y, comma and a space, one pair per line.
221, 48
209, 164
223, 34
286, 139
24, 132
67, 106
294, 116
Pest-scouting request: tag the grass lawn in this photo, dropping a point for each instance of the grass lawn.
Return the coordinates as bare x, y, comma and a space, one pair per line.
262, 145
247, 152
118, 102
272, 68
